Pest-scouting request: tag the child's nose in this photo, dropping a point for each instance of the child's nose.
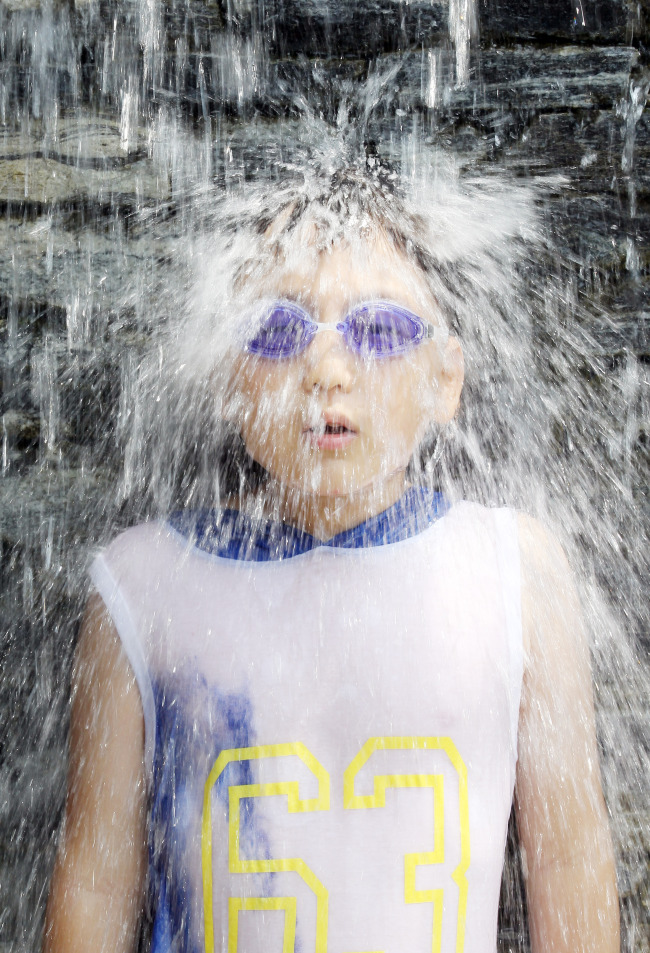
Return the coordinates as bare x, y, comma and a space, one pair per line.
328, 363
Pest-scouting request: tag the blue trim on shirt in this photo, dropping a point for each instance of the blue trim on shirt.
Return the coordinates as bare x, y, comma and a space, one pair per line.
235, 535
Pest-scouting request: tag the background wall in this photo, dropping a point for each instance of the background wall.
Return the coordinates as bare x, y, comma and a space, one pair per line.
554, 87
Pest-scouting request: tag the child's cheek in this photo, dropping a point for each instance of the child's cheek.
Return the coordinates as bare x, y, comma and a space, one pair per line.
264, 390
268, 414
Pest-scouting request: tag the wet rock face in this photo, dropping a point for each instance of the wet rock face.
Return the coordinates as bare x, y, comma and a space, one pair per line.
553, 19
554, 87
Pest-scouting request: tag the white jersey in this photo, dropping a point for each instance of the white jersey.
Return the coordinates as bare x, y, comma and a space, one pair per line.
331, 739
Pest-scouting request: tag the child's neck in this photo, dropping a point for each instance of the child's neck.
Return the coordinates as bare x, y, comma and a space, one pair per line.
326, 516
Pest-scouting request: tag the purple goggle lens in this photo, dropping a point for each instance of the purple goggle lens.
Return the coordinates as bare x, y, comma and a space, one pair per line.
375, 329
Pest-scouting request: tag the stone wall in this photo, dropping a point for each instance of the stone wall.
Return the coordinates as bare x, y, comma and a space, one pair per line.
554, 87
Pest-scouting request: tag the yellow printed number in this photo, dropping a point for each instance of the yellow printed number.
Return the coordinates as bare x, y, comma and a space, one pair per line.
237, 864
351, 800
437, 855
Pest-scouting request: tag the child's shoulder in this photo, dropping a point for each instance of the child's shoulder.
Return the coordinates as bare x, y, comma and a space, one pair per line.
541, 551
551, 612
468, 520
135, 554
135, 539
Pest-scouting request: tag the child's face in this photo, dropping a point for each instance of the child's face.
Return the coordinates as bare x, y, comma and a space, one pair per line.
327, 421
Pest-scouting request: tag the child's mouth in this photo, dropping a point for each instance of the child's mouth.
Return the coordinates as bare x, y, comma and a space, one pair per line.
331, 434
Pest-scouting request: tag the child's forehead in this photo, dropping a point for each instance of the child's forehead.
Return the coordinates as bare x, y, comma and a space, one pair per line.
345, 273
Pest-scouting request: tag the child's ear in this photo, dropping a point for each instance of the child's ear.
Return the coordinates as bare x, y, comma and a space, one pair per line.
451, 376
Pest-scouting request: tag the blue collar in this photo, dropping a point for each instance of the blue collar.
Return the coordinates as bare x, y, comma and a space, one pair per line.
235, 535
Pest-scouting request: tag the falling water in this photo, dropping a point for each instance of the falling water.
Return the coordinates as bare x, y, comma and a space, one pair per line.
134, 134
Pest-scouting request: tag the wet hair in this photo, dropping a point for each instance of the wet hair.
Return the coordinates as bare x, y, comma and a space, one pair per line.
348, 205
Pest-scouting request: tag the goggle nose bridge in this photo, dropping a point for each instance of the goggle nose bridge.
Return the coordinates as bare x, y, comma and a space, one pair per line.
317, 326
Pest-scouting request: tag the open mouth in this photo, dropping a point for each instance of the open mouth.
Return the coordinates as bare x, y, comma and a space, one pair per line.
331, 433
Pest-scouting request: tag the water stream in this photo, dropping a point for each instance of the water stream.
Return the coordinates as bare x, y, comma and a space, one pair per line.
133, 135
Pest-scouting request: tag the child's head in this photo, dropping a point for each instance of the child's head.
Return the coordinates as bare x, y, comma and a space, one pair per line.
344, 415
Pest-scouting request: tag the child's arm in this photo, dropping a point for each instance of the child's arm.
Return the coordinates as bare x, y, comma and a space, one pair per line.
96, 892
561, 814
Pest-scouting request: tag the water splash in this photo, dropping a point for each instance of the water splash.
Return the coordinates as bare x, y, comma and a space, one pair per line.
462, 28
556, 408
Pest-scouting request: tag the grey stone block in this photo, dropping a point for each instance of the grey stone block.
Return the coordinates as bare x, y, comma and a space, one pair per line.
608, 20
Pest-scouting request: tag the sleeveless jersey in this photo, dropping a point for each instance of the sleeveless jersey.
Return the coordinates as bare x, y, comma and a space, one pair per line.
330, 738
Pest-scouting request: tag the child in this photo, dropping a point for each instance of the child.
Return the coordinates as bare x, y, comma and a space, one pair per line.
299, 719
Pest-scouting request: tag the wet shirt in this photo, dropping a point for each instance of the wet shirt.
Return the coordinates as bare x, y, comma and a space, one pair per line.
330, 728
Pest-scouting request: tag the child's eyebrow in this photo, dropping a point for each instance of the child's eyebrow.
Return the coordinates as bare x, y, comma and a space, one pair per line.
309, 304
305, 301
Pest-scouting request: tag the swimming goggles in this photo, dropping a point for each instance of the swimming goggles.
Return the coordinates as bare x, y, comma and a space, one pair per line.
373, 329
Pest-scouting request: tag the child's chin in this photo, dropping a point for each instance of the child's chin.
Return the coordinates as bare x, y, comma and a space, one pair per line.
321, 484
338, 488
336, 477
327, 489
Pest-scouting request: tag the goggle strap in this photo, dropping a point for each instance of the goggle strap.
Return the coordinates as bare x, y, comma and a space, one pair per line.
437, 333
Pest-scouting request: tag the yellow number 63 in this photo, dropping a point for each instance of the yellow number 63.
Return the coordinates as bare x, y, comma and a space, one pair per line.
321, 802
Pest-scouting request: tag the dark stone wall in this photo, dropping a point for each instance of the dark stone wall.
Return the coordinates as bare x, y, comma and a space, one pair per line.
556, 87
